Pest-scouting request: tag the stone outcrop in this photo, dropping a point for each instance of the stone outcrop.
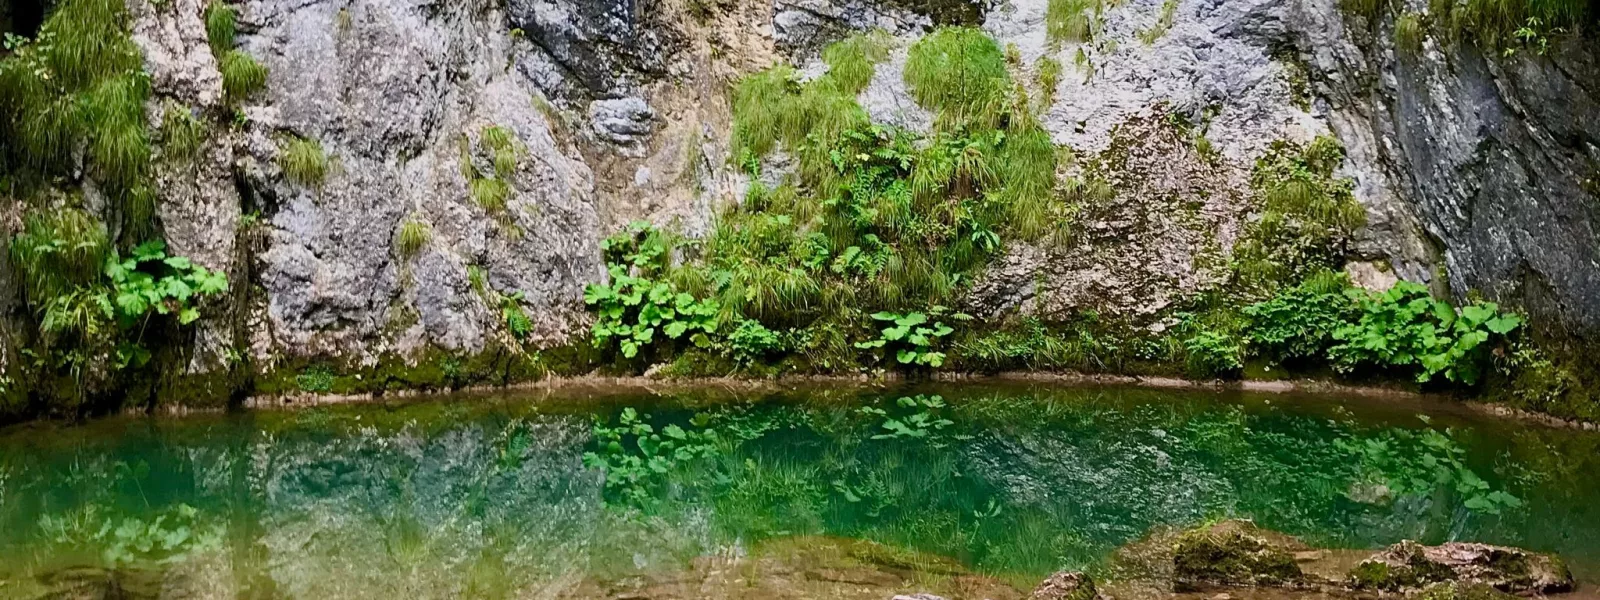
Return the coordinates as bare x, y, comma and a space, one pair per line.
1410, 567
1472, 165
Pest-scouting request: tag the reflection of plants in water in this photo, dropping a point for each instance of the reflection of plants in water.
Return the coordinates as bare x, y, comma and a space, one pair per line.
170, 536
636, 455
1420, 463
914, 417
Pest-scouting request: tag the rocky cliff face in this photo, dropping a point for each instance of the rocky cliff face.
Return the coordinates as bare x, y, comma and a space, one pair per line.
1477, 171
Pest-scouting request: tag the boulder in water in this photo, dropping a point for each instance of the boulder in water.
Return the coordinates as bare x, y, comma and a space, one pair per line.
1234, 553
1409, 566
1065, 585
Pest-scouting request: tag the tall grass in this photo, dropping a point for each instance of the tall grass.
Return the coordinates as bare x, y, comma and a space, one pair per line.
221, 26
960, 72
181, 132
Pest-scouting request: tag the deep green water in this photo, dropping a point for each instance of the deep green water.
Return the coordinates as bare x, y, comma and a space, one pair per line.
485, 496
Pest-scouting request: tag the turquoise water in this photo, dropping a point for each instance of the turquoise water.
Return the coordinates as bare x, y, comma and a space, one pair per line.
493, 496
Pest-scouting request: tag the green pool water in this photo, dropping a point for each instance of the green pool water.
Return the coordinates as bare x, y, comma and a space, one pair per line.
489, 496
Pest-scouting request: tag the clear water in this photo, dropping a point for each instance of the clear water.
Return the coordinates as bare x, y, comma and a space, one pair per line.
493, 497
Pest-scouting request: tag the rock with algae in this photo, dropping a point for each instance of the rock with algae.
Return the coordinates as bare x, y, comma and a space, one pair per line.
1234, 553
1066, 585
1409, 566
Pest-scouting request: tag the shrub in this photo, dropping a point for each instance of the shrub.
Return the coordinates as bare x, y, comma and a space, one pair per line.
1213, 354
1405, 327
303, 162
1299, 323
631, 310
242, 75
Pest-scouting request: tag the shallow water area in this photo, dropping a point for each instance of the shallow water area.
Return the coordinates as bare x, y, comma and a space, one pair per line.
972, 490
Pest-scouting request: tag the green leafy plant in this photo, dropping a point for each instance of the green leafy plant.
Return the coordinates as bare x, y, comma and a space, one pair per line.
631, 310
751, 341
303, 161
315, 379
1299, 322
915, 338
1406, 327
1213, 353
515, 319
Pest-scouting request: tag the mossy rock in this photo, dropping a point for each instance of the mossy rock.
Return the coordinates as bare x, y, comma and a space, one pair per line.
1233, 553
1409, 566
1066, 585
1463, 591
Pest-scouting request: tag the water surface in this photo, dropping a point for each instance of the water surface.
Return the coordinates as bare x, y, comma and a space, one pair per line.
576, 494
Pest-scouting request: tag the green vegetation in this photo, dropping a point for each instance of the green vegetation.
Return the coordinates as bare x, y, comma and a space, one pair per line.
303, 162
914, 338
72, 114
1071, 21
632, 308
1169, 10
1408, 33
490, 190
220, 26
1306, 217
1406, 328
414, 235
242, 75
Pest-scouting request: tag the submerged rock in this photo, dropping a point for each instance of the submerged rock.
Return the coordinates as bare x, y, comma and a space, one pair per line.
1409, 566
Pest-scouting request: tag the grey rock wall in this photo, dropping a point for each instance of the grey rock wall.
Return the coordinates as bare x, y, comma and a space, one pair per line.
1483, 165
1494, 156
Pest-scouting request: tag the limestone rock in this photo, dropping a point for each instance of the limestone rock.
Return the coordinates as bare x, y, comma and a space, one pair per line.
1065, 585
1409, 566
1233, 553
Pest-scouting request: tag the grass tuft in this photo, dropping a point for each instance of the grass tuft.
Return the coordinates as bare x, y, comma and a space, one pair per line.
1070, 21
1408, 33
959, 72
490, 193
181, 133
853, 60
303, 162
242, 75
221, 26
1169, 11
414, 235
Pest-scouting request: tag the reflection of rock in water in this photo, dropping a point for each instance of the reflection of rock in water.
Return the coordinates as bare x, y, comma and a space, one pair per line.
427, 516
800, 567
